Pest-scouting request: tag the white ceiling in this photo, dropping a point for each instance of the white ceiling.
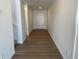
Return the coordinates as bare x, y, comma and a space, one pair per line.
34, 4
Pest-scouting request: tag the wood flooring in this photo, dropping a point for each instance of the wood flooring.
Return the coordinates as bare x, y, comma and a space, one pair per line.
39, 45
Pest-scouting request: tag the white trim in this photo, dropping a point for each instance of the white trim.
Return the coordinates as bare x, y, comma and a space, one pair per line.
12, 55
76, 33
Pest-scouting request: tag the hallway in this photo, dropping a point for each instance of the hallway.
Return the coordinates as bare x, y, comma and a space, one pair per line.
18, 18
38, 46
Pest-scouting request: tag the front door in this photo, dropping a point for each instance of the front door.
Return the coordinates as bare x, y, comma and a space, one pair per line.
40, 20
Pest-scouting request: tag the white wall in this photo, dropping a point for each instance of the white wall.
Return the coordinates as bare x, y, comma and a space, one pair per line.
6, 30
30, 19
23, 23
50, 19
18, 20
14, 19
26, 19
61, 25
0, 56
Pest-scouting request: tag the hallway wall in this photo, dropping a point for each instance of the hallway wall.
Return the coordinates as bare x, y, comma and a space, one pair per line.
23, 23
30, 19
61, 25
18, 17
26, 18
0, 56
14, 19
6, 30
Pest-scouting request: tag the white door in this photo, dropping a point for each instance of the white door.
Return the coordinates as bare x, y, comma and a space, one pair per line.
40, 19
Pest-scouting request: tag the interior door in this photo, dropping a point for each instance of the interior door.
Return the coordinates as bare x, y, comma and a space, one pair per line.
40, 20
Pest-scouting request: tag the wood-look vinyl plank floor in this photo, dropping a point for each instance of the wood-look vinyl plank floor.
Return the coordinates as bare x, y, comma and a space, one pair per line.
39, 45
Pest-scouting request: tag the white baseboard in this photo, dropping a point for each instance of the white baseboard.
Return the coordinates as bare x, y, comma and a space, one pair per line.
12, 55
53, 38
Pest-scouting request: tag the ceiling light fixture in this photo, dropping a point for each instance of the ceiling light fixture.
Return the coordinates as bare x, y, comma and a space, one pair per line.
40, 7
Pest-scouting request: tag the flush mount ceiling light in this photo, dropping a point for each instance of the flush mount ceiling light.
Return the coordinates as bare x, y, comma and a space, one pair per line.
40, 7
